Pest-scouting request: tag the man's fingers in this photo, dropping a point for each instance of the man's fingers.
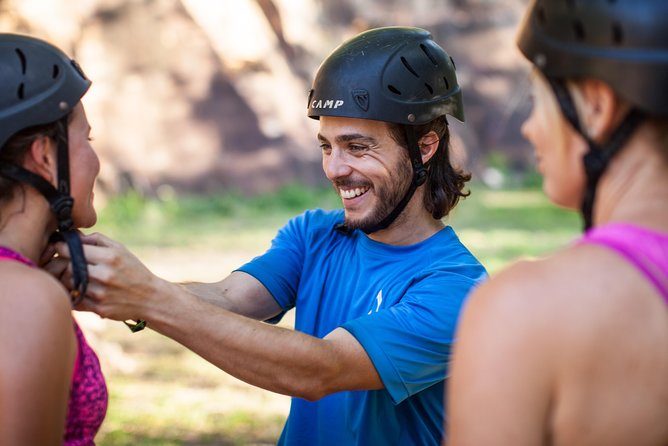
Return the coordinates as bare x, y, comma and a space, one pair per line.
97, 239
47, 254
56, 267
87, 304
95, 254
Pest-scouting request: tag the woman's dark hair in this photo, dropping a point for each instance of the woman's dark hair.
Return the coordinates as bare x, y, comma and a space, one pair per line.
445, 183
14, 151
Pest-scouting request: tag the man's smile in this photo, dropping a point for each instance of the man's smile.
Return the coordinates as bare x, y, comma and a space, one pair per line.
352, 193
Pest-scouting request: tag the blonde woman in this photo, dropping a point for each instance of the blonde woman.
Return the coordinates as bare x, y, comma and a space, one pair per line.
572, 349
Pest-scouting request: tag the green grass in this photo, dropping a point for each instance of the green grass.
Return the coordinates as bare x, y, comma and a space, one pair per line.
162, 394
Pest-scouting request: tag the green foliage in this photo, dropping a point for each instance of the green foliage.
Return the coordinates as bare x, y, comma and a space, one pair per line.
500, 226
172, 220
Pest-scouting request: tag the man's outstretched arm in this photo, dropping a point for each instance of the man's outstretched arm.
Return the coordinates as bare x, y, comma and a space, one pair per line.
203, 318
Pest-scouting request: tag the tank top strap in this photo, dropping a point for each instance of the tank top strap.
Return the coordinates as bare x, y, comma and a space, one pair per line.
645, 249
10, 254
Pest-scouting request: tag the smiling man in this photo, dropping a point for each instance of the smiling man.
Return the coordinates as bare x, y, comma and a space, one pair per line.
377, 286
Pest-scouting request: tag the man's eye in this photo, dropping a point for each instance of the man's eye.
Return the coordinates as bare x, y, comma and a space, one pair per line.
325, 147
356, 148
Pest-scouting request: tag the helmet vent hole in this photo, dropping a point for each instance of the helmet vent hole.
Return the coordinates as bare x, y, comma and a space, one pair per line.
617, 34
22, 58
431, 90
408, 67
394, 90
55, 72
427, 53
20, 92
447, 84
579, 30
452, 61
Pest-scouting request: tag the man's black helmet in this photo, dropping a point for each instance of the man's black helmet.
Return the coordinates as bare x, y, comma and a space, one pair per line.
39, 84
393, 74
621, 42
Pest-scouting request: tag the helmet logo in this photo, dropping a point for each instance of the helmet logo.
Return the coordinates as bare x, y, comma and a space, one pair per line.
326, 103
361, 98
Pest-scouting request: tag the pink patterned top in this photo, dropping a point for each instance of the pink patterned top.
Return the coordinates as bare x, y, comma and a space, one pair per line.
88, 393
645, 249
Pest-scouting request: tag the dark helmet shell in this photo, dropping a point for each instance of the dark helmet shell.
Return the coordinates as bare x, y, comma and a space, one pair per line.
621, 42
392, 74
39, 84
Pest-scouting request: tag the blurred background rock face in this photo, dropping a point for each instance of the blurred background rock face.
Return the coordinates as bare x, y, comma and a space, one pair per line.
208, 95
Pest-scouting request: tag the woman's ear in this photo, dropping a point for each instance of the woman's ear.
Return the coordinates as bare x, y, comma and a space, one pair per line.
601, 109
41, 159
428, 145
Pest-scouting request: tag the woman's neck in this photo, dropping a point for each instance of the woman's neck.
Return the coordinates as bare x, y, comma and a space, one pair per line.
634, 188
26, 224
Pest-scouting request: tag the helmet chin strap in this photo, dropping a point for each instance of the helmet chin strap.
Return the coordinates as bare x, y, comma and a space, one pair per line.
65, 230
598, 156
419, 178
61, 203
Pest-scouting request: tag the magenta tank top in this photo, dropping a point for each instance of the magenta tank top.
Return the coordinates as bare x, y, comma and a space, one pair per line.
87, 405
645, 249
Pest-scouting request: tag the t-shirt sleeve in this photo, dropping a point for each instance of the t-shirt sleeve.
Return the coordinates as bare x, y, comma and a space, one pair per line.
279, 268
410, 342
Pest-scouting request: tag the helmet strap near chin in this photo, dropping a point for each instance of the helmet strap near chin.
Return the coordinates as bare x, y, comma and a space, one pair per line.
598, 156
78, 260
419, 178
64, 164
65, 231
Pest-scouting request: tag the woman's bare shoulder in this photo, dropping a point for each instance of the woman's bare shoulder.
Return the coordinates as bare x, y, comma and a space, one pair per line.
530, 299
33, 302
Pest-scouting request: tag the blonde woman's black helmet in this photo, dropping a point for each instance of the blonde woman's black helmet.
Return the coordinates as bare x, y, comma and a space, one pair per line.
621, 42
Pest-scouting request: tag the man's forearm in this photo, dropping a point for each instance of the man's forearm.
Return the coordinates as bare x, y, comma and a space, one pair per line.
274, 358
239, 293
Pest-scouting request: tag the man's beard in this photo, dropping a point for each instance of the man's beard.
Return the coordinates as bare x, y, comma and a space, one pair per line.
388, 197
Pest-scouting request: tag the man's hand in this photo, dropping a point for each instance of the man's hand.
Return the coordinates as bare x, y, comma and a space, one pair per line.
119, 284
55, 265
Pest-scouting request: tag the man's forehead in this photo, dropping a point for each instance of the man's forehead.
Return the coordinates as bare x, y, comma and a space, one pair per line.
332, 127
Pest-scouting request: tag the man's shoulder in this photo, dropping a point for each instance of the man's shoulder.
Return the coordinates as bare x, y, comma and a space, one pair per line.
445, 248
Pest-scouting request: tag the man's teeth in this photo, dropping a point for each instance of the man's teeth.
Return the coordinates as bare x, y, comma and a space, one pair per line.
352, 193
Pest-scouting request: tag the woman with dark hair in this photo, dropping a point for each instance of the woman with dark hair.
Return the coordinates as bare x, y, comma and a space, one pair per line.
52, 390
572, 349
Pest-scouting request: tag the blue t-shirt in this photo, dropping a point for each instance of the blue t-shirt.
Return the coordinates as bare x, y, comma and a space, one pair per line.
401, 303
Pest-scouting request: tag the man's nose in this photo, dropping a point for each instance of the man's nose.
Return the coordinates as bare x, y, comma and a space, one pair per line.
336, 164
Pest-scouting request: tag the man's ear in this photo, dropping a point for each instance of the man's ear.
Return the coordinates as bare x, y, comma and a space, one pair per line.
41, 159
428, 145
